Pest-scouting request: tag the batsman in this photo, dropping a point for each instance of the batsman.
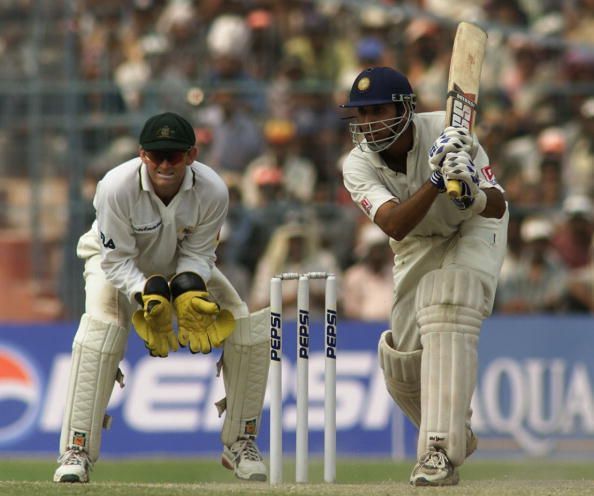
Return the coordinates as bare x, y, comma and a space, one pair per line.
447, 255
149, 260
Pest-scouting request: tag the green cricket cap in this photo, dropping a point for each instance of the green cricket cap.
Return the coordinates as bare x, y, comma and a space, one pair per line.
167, 131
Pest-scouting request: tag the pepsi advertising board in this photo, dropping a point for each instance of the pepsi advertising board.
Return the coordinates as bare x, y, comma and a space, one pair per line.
534, 393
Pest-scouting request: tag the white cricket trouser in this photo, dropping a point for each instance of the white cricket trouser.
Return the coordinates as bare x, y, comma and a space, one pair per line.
479, 247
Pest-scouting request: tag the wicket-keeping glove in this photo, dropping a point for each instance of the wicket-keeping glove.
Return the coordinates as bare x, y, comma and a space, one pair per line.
201, 323
452, 139
153, 322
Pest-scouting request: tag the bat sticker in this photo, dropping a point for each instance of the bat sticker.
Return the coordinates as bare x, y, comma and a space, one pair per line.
463, 107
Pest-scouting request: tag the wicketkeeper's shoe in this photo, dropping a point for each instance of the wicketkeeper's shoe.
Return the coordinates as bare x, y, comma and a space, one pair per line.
74, 466
434, 469
244, 458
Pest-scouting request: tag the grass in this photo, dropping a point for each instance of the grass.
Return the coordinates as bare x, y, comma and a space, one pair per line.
154, 477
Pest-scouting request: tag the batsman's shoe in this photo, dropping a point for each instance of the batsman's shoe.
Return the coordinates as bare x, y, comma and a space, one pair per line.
471, 442
434, 469
74, 466
244, 458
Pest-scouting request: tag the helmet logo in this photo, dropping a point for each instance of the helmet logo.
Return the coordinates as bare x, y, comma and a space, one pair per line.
364, 84
165, 132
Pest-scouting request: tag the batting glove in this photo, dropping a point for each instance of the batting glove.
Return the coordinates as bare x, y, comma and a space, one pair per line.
452, 139
201, 323
436, 179
153, 322
459, 166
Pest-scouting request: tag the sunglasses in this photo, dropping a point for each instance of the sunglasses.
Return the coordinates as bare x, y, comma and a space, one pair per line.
172, 156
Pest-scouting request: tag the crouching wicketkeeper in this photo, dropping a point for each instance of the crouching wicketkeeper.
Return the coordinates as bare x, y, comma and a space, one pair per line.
149, 256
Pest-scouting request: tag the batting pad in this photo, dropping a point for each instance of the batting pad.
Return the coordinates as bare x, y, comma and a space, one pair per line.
245, 372
449, 320
402, 373
96, 352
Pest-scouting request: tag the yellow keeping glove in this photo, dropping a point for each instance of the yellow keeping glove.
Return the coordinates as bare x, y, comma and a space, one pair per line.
153, 322
201, 324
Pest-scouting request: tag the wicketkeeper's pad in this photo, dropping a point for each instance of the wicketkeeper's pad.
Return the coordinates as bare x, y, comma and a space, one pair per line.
448, 303
245, 372
96, 352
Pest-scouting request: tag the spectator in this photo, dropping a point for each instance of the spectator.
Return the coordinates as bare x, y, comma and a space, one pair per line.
289, 76
293, 248
229, 47
273, 209
266, 43
132, 75
579, 173
238, 276
236, 139
177, 25
535, 161
577, 69
368, 285
337, 222
427, 60
281, 153
324, 54
523, 78
579, 17
580, 286
371, 51
573, 238
317, 129
239, 224
539, 283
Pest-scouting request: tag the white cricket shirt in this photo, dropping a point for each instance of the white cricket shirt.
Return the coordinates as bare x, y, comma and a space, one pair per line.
371, 182
138, 235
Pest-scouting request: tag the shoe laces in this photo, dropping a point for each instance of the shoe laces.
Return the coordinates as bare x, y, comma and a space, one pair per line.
75, 456
248, 449
435, 459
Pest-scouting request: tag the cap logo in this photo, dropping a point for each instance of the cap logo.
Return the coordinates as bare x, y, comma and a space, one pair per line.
364, 84
165, 132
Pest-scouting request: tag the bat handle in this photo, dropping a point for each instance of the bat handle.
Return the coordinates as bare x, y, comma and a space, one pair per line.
454, 188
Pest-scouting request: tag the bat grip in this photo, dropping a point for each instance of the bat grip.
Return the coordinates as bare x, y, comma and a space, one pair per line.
454, 188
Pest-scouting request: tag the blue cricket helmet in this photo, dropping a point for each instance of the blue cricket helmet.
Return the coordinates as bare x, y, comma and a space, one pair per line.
380, 85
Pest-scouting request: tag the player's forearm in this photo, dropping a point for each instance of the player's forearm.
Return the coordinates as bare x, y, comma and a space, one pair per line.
123, 274
398, 219
495, 204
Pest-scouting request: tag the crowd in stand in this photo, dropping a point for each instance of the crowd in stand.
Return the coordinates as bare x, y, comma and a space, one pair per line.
262, 81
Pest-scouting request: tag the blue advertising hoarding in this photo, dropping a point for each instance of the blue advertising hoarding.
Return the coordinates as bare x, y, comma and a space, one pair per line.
534, 393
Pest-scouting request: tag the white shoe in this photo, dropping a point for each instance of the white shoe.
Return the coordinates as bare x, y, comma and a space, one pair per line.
74, 466
244, 458
434, 469
471, 442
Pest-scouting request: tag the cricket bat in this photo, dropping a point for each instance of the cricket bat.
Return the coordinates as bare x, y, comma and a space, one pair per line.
468, 54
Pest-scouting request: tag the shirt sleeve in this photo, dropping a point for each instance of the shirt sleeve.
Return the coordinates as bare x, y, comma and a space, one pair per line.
485, 172
118, 245
365, 187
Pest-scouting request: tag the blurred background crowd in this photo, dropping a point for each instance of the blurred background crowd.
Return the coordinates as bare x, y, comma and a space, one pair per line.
262, 81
